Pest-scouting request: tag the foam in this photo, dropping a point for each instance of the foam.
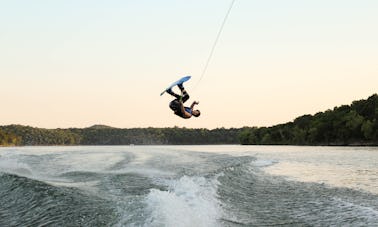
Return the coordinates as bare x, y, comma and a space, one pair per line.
190, 201
263, 163
13, 166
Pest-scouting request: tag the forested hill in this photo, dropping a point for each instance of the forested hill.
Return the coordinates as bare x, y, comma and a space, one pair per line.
105, 135
355, 124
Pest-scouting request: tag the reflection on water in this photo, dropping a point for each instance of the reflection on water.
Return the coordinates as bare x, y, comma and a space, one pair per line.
335, 166
339, 176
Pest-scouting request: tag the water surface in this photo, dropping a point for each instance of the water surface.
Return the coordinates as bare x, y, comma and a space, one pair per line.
188, 186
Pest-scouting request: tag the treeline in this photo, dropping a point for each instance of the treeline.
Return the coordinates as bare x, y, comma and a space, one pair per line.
157, 136
104, 135
27, 135
355, 124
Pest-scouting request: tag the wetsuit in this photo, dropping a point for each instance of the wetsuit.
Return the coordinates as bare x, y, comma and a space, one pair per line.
175, 104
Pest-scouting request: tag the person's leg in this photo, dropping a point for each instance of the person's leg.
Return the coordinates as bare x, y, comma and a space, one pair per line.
169, 91
185, 95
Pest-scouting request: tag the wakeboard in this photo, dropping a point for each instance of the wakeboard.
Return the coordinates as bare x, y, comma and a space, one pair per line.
180, 81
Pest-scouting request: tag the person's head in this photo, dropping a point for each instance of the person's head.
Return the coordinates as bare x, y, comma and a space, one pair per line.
196, 113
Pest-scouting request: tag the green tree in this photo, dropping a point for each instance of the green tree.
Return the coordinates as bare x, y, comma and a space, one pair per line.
367, 129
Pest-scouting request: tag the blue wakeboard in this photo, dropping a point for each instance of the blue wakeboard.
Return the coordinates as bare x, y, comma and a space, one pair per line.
180, 81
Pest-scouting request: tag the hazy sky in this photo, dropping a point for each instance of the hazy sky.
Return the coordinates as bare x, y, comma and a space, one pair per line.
76, 63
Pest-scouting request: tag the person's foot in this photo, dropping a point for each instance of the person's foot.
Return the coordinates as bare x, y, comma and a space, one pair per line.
180, 86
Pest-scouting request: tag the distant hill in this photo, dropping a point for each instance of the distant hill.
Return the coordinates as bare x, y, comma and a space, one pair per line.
100, 127
105, 135
355, 124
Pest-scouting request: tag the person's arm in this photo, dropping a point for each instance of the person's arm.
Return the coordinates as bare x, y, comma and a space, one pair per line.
194, 103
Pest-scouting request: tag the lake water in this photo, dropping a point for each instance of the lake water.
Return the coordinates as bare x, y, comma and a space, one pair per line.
188, 186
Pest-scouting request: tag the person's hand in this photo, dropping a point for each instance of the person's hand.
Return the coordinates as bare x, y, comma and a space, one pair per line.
196, 102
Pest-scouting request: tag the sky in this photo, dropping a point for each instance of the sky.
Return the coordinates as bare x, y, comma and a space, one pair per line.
76, 63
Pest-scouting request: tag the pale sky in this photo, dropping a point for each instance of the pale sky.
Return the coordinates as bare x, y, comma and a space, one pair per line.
76, 63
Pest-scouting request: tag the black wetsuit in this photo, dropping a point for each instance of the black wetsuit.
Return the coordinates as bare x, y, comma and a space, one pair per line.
175, 104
